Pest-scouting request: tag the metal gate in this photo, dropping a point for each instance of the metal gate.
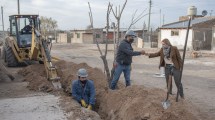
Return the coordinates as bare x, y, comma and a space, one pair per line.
202, 39
213, 40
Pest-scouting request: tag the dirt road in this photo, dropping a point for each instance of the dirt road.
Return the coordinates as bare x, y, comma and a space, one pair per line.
198, 76
19, 103
198, 81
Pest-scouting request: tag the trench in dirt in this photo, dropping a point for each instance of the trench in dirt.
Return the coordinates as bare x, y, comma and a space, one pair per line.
131, 103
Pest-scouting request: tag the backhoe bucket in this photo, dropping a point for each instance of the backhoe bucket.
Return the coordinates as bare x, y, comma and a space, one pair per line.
57, 84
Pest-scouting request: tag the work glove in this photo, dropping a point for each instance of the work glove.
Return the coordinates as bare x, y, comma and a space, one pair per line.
89, 107
83, 103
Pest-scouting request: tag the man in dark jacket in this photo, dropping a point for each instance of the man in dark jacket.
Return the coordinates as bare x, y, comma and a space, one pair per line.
124, 59
83, 90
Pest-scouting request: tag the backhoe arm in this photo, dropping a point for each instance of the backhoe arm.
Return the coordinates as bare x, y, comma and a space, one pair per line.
50, 69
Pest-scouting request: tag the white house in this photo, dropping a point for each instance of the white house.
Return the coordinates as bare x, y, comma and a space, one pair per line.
200, 33
86, 36
62, 38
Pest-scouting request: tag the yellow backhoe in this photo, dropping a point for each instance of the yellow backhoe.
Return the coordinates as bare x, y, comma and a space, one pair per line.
25, 43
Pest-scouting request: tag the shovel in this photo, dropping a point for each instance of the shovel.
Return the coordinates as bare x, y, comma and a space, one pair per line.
166, 103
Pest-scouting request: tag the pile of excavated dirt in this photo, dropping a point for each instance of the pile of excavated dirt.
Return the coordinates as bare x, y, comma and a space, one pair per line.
36, 76
140, 103
131, 103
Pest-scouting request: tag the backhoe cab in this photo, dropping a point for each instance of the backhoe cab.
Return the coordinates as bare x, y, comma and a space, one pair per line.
25, 43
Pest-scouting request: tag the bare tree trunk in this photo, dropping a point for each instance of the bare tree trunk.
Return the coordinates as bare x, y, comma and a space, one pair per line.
106, 46
106, 69
103, 57
117, 15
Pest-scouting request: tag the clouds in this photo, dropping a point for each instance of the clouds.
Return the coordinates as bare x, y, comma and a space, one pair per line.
72, 14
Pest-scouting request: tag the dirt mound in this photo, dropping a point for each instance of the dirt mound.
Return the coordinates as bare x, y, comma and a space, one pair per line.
131, 103
139, 103
75, 111
68, 72
36, 76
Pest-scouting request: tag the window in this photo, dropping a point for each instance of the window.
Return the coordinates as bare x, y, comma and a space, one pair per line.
175, 33
13, 31
98, 36
78, 35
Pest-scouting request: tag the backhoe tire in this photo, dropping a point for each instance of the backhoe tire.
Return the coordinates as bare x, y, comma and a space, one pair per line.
10, 58
3, 53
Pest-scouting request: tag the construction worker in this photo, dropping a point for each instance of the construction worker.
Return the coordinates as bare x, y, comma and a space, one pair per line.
124, 59
83, 90
170, 58
27, 29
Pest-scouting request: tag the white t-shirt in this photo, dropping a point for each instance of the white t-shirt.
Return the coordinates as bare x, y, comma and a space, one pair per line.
168, 61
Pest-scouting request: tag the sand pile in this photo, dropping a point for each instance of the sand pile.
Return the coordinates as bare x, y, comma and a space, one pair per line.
131, 103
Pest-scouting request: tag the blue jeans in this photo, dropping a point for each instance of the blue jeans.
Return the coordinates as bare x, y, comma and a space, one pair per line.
126, 69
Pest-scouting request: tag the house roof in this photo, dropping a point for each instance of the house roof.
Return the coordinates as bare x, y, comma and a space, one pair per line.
124, 29
103, 29
184, 24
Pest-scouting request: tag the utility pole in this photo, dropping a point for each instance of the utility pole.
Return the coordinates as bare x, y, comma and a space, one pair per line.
211, 12
144, 27
163, 19
2, 18
160, 17
18, 7
150, 5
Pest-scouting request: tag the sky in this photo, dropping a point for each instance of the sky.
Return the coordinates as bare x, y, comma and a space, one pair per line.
74, 14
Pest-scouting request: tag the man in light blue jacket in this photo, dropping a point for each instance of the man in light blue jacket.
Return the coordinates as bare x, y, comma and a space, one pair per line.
83, 90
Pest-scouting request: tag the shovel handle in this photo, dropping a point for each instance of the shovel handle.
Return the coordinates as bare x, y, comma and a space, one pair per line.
184, 52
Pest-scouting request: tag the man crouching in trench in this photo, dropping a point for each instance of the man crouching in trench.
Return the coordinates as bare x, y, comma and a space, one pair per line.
83, 90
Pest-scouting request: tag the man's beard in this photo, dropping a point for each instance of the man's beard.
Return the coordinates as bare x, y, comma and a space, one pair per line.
131, 40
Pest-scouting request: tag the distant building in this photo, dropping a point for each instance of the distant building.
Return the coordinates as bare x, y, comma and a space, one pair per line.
112, 32
62, 38
200, 34
86, 35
